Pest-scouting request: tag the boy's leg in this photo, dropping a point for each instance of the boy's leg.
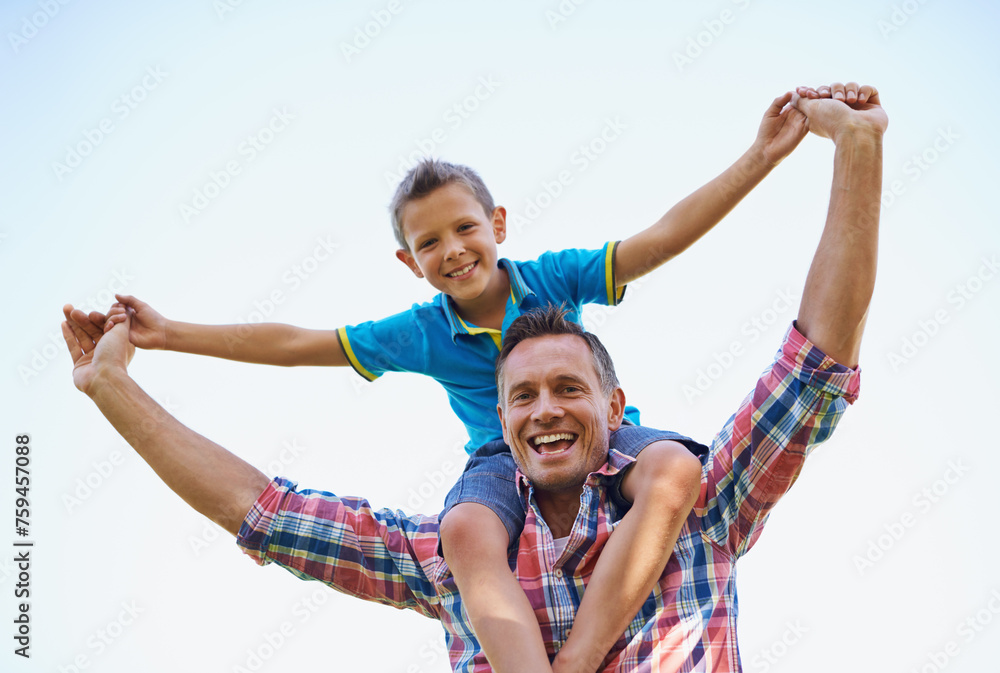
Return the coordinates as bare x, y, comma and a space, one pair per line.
663, 484
475, 544
483, 517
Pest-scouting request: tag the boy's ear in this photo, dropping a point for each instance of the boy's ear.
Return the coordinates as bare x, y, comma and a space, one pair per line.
499, 224
406, 258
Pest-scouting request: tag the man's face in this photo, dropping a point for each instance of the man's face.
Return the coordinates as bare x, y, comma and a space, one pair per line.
555, 417
453, 243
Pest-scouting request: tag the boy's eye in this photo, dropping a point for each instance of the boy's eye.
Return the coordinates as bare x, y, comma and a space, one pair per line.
466, 226
429, 242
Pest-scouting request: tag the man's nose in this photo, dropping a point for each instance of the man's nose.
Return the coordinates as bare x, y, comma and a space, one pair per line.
547, 407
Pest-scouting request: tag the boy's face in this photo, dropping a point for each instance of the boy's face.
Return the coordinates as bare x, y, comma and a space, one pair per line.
453, 243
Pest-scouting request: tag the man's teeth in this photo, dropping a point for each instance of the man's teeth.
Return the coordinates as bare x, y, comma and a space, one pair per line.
547, 439
461, 272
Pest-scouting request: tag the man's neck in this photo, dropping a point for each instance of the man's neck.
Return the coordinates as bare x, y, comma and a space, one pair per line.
559, 509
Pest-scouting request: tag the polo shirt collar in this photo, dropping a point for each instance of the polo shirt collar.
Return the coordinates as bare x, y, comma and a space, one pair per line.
518, 290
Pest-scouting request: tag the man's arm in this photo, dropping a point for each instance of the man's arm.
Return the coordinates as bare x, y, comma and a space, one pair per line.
841, 279
260, 343
799, 401
780, 132
313, 534
215, 482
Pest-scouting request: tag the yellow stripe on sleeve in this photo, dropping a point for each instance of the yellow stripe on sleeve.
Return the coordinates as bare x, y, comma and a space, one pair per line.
345, 343
614, 293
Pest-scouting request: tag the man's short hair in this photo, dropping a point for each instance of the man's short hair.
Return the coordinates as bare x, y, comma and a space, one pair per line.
424, 178
551, 321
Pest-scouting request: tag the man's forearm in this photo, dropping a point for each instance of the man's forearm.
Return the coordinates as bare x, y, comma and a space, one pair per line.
841, 279
690, 219
212, 480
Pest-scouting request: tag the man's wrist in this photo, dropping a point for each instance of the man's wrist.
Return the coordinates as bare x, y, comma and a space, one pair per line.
859, 135
106, 379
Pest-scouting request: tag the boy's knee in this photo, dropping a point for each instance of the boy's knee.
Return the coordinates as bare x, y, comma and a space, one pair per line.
666, 470
471, 525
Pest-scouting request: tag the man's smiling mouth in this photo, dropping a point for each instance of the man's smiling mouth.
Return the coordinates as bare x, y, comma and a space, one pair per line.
553, 443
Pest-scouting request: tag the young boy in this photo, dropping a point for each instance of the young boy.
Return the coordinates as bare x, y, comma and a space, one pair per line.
448, 229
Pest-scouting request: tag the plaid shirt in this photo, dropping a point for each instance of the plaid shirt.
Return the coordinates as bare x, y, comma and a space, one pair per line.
688, 623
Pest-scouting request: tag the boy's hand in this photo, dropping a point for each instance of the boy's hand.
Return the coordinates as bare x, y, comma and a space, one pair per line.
781, 130
840, 108
148, 328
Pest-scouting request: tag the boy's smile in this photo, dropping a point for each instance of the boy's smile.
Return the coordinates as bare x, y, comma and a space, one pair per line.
453, 244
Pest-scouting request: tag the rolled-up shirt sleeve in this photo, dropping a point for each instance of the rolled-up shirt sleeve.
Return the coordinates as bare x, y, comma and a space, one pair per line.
380, 556
759, 453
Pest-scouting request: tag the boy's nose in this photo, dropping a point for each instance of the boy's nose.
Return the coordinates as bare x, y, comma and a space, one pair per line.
454, 248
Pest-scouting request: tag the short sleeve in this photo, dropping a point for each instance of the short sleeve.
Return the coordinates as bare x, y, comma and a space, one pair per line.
397, 344
575, 276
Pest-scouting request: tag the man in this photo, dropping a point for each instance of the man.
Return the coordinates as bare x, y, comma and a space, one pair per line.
559, 401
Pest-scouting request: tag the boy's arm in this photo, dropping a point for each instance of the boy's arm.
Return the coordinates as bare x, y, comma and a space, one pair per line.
780, 132
260, 343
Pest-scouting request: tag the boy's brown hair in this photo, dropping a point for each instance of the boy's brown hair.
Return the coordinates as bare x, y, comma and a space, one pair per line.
424, 178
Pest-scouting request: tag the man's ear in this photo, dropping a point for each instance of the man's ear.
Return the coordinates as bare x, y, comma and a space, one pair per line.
616, 409
499, 224
406, 258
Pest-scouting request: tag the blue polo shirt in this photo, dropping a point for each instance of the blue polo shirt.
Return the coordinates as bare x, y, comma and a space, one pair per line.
433, 339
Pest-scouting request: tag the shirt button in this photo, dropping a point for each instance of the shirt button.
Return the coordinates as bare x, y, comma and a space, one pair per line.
558, 573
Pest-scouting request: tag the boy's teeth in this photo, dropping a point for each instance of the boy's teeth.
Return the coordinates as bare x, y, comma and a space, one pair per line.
464, 270
545, 439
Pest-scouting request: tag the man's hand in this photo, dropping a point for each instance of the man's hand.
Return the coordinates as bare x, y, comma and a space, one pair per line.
95, 354
781, 130
841, 108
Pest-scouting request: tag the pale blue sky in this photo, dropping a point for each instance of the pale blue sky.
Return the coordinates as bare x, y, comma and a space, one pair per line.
283, 129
